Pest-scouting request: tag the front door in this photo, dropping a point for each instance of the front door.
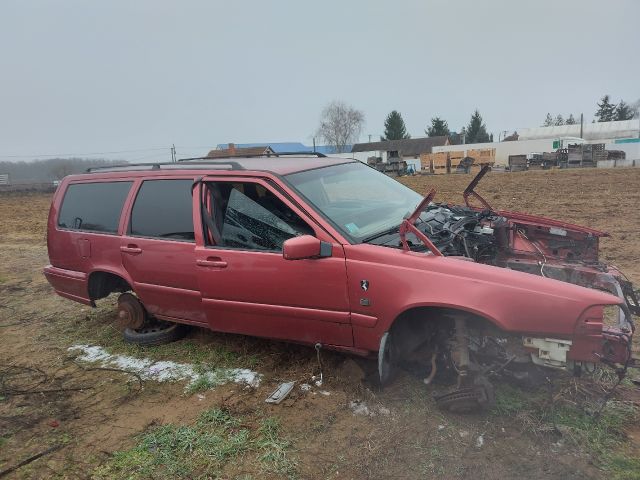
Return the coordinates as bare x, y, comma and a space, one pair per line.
158, 250
248, 287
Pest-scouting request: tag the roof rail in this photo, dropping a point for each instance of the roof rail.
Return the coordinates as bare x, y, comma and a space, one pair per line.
137, 167
260, 155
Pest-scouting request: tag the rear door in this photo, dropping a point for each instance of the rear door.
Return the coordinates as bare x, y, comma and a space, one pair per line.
248, 287
158, 249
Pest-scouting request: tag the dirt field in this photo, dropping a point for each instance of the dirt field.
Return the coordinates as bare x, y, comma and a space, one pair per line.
97, 422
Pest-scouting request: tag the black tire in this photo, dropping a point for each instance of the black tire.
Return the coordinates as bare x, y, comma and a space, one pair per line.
387, 363
157, 333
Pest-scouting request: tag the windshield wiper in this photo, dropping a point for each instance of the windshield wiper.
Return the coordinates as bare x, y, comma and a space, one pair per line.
389, 231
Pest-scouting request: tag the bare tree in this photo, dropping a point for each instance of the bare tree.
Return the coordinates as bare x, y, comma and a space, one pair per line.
340, 125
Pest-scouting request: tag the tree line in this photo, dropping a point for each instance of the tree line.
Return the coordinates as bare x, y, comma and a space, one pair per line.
606, 112
43, 171
341, 124
474, 132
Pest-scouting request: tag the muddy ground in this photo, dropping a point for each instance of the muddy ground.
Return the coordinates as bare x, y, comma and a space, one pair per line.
81, 414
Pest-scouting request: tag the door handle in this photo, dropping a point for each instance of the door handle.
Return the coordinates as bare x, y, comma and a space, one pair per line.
212, 262
132, 249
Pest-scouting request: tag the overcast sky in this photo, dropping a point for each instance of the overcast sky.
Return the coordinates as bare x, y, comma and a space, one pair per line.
80, 77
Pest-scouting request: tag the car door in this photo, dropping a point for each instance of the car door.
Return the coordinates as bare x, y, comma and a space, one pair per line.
248, 287
158, 250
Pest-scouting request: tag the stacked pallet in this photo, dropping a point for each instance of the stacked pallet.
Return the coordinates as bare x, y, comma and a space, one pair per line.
455, 158
598, 153
482, 156
549, 159
574, 156
616, 155
426, 160
517, 163
535, 161
440, 163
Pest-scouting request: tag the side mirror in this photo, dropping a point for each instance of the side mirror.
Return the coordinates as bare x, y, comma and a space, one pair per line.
305, 246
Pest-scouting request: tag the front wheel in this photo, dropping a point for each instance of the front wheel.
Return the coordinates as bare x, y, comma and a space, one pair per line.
387, 364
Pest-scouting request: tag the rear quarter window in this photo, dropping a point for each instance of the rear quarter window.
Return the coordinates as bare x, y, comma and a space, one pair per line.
94, 207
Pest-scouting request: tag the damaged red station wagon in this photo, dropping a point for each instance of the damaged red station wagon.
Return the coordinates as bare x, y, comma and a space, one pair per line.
332, 253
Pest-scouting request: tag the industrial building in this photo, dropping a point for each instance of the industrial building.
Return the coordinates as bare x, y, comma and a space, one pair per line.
620, 136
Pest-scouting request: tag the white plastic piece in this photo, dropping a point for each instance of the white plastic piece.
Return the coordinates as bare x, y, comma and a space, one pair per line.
280, 393
483, 230
552, 352
558, 231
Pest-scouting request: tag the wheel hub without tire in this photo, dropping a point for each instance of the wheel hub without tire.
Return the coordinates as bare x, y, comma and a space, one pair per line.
131, 313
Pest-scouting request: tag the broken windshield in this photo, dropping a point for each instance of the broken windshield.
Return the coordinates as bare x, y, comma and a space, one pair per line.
357, 199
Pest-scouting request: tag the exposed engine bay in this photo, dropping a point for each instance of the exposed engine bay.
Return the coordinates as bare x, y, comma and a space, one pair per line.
527, 243
473, 351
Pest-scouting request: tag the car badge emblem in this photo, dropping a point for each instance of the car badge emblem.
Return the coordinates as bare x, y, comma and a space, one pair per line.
364, 284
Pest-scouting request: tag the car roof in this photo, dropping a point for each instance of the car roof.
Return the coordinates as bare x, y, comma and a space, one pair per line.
273, 164
287, 165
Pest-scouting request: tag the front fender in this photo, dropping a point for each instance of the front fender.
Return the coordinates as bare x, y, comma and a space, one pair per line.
514, 301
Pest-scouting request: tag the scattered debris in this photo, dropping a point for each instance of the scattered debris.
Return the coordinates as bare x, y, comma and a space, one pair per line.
305, 387
165, 371
361, 408
463, 433
280, 393
480, 441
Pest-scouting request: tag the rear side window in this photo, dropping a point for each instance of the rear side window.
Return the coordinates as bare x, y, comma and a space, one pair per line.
163, 209
94, 207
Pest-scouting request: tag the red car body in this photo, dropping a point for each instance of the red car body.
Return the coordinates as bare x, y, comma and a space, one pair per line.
323, 288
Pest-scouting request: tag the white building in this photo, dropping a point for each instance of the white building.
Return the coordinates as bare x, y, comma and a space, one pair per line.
622, 135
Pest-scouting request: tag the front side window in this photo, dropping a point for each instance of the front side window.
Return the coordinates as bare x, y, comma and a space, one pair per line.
248, 216
93, 207
163, 209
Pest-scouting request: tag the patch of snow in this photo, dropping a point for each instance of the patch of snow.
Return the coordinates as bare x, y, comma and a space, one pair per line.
165, 371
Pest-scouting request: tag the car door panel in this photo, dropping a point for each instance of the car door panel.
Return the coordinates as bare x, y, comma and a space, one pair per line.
163, 268
258, 292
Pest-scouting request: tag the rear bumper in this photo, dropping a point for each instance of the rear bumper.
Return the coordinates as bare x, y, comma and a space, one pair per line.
68, 283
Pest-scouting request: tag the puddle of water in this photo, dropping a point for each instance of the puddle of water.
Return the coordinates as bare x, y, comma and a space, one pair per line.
165, 371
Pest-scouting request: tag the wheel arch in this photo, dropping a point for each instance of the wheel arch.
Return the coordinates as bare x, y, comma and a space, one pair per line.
102, 282
416, 321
